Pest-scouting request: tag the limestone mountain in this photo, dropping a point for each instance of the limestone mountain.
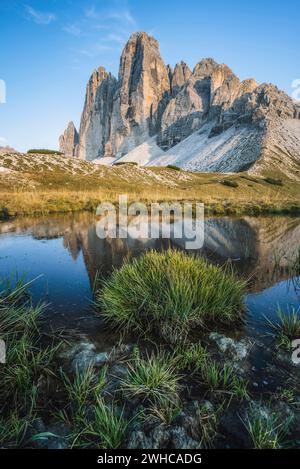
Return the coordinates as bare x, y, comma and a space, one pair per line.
7, 149
203, 119
68, 142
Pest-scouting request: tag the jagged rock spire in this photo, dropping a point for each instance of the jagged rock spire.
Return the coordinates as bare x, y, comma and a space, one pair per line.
68, 142
151, 99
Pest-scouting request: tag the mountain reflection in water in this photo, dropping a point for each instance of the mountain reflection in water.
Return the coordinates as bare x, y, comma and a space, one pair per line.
68, 254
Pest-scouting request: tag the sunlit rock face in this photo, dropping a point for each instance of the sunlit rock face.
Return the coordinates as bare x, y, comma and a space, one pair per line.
144, 87
95, 122
120, 114
204, 119
68, 142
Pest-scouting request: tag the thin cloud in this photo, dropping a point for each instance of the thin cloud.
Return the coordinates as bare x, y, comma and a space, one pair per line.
115, 38
39, 17
124, 16
94, 50
91, 12
121, 15
72, 29
114, 26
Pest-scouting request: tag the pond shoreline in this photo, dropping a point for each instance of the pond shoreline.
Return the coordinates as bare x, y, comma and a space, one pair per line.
215, 209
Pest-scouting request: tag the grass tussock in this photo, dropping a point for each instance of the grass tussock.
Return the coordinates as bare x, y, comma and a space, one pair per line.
274, 181
91, 422
165, 410
169, 293
190, 357
266, 429
84, 387
152, 379
108, 426
28, 365
286, 327
26, 360
13, 430
223, 378
229, 183
44, 151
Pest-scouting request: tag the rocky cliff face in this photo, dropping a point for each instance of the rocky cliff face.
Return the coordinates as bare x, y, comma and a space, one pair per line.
143, 89
7, 149
95, 125
120, 114
68, 142
230, 121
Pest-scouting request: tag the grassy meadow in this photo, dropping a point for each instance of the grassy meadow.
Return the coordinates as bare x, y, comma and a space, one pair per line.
41, 184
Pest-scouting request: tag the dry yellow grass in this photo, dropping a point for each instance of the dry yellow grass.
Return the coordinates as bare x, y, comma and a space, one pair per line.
43, 191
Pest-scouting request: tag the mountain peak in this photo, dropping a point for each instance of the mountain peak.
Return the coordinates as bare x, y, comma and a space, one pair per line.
207, 112
69, 140
142, 36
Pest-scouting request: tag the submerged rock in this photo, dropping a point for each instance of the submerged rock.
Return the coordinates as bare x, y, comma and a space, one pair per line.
156, 439
86, 358
85, 354
195, 416
50, 437
161, 437
232, 429
137, 440
235, 350
114, 378
180, 439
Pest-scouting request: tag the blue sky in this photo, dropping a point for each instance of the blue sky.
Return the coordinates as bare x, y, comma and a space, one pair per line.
50, 47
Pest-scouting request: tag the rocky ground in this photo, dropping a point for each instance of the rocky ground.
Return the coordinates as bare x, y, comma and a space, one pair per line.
203, 418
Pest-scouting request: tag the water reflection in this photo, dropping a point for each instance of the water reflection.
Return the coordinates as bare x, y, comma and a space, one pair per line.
67, 251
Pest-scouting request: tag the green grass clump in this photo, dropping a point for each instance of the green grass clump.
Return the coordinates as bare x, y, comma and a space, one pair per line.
85, 386
26, 361
107, 427
91, 421
103, 426
166, 411
190, 357
41, 151
97, 426
173, 166
265, 429
13, 430
4, 213
120, 163
169, 293
275, 182
223, 378
229, 183
287, 327
288, 395
152, 379
28, 364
